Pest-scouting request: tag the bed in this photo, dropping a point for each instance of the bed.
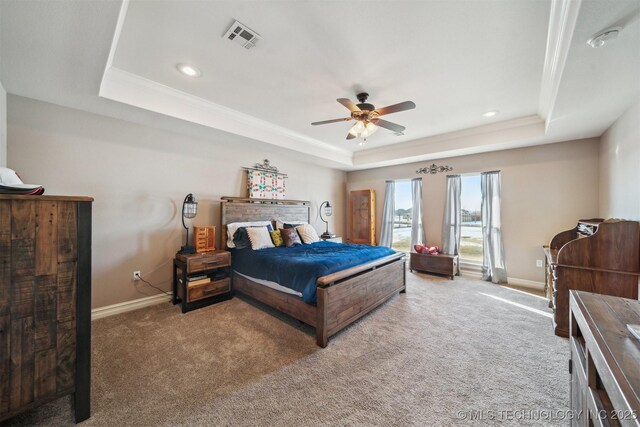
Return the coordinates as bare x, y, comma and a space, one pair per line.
341, 297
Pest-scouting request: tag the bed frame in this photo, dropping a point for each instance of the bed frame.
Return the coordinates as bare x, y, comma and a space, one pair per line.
343, 297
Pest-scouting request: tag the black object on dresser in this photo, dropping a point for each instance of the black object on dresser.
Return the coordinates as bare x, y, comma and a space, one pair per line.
204, 279
605, 360
45, 302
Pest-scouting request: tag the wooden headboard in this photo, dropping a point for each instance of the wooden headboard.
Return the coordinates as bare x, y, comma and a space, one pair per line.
237, 209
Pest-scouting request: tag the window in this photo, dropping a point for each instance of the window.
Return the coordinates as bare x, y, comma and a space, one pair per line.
471, 213
402, 217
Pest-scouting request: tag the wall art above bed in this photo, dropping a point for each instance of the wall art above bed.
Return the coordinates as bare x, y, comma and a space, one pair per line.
264, 181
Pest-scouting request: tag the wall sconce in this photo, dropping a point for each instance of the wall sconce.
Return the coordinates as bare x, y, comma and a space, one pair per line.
189, 211
328, 211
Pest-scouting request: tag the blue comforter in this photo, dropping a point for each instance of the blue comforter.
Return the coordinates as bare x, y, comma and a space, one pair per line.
299, 267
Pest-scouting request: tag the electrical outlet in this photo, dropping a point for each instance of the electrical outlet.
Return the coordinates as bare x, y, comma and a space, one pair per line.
538, 263
136, 276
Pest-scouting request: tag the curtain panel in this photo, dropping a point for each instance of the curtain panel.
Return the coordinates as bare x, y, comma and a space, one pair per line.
452, 217
388, 212
417, 230
493, 264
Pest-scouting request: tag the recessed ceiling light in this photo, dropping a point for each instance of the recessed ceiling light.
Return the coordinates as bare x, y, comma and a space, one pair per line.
603, 37
490, 113
188, 70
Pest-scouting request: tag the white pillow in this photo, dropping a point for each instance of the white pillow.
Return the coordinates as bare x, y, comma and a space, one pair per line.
259, 237
307, 233
232, 227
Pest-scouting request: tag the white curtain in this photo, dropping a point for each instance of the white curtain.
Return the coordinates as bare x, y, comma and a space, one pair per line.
452, 217
388, 211
417, 231
493, 265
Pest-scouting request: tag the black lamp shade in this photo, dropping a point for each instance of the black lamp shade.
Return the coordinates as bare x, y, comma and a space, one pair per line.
189, 211
189, 207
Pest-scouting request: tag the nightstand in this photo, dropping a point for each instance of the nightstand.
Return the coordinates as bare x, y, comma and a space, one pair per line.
204, 279
336, 239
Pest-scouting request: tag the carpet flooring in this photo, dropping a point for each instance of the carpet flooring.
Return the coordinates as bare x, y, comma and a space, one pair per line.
462, 352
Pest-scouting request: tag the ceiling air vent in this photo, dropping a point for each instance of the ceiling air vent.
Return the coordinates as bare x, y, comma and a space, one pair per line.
243, 35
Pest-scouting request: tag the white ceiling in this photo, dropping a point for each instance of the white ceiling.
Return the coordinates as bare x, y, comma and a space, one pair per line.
454, 59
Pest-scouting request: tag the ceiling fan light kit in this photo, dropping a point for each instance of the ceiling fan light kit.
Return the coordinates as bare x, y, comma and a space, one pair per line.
362, 130
367, 117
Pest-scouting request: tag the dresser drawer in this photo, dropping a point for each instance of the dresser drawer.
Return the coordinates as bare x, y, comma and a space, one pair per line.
208, 261
208, 290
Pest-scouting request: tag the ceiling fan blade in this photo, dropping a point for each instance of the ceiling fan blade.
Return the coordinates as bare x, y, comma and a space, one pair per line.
406, 105
388, 125
349, 104
324, 122
349, 136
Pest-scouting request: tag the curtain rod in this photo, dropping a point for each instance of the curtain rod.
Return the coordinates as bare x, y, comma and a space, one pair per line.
266, 170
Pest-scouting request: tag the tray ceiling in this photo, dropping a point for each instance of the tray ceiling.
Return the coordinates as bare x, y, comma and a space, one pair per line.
455, 60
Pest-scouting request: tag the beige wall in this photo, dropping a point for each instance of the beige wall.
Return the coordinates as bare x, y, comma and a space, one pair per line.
620, 167
139, 176
545, 189
3, 126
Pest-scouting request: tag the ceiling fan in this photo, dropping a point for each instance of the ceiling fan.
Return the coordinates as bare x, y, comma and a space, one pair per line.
366, 116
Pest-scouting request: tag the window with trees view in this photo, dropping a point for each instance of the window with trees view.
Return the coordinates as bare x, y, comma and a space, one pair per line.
402, 218
471, 226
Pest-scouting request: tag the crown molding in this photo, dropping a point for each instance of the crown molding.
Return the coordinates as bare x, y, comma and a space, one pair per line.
562, 23
124, 7
505, 134
129, 88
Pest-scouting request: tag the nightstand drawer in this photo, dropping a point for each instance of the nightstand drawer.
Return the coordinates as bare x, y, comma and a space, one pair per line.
208, 290
208, 261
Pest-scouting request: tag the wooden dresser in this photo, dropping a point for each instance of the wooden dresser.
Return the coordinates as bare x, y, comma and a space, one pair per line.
45, 302
595, 256
605, 360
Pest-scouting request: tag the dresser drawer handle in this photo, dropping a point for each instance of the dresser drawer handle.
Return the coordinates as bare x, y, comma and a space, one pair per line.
211, 262
209, 291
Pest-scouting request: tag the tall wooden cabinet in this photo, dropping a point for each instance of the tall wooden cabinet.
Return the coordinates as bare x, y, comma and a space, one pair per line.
363, 217
45, 302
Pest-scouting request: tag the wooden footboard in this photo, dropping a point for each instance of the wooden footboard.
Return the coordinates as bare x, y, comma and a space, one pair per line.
286, 303
342, 303
343, 297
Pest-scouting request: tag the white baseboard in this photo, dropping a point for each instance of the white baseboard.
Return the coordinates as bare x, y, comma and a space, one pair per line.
532, 284
471, 273
123, 307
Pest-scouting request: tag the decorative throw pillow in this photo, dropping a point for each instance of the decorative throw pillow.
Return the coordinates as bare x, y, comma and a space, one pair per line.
280, 224
291, 225
307, 233
290, 237
276, 238
241, 238
259, 237
233, 227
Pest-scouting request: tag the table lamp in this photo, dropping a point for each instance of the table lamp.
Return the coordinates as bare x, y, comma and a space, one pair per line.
328, 210
189, 210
